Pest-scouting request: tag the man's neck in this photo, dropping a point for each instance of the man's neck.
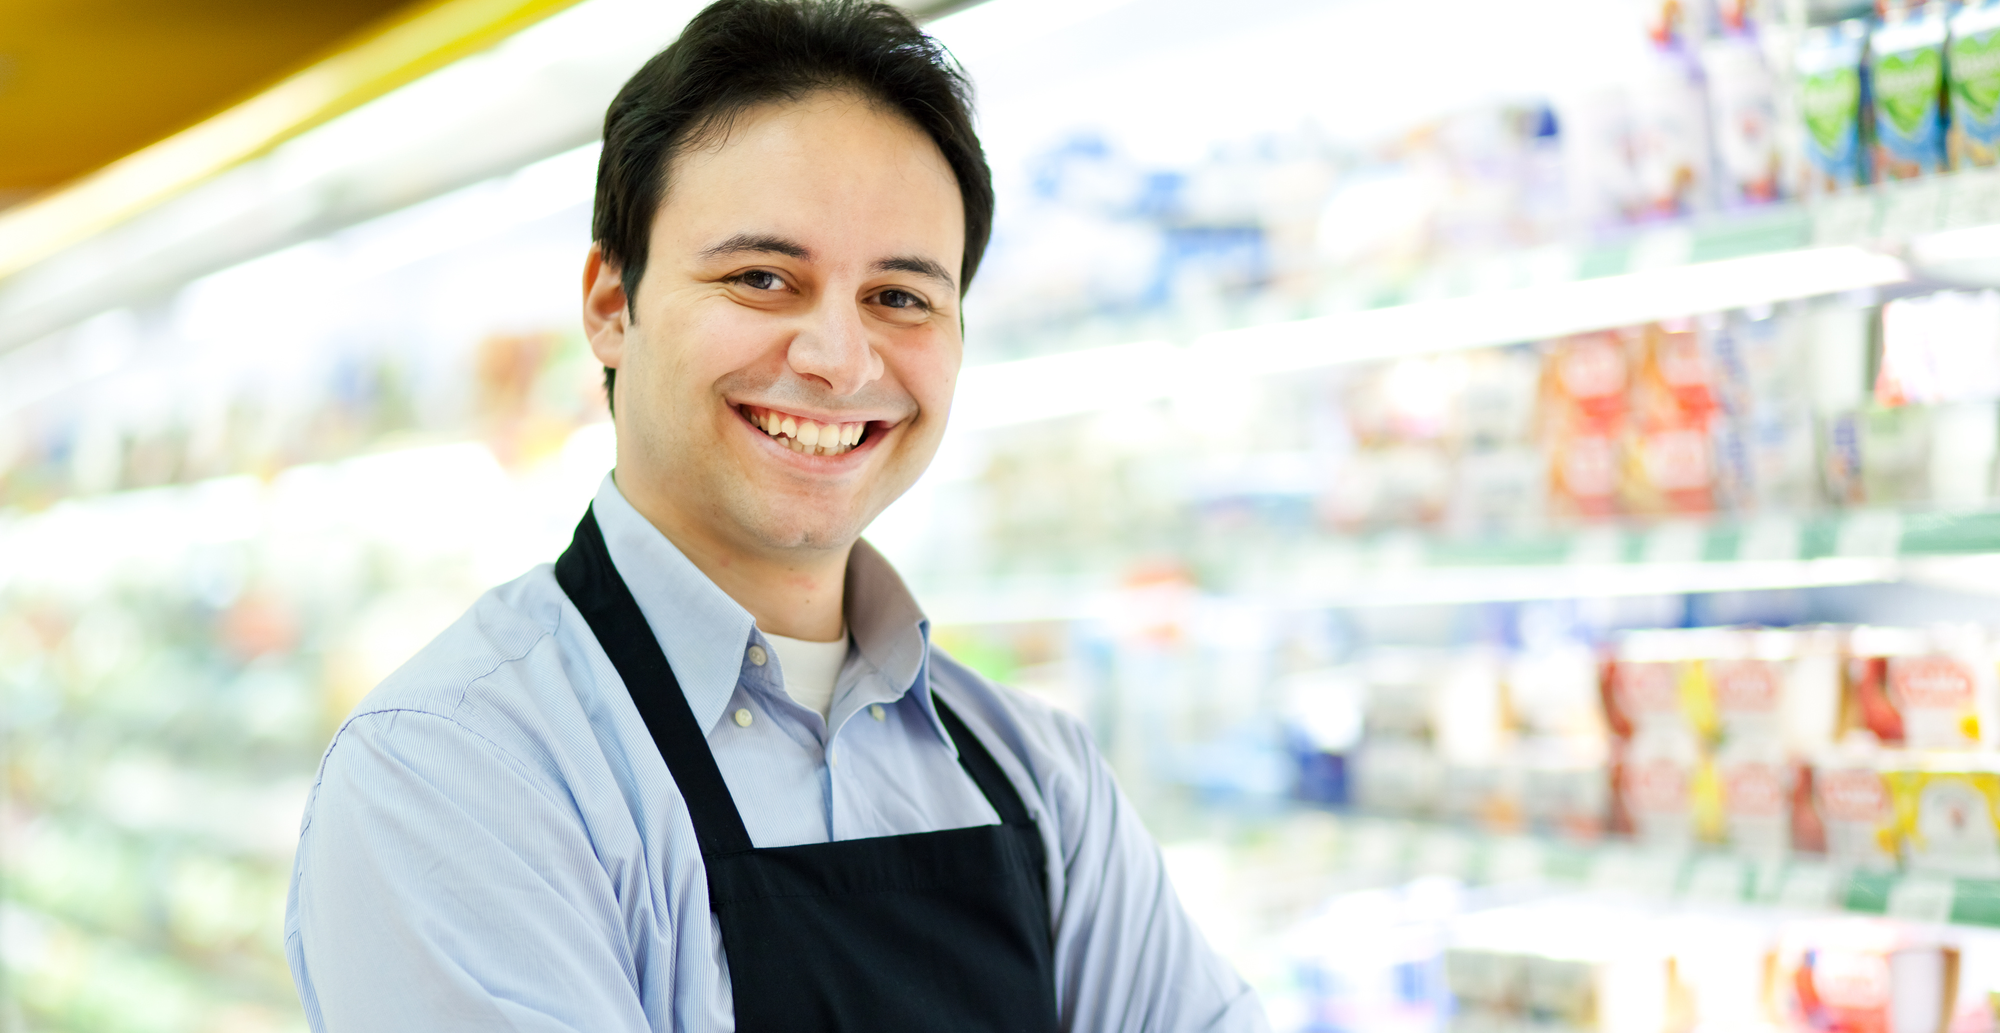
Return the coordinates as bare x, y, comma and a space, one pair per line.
795, 593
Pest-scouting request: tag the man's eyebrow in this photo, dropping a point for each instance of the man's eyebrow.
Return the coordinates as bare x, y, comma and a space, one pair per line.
919, 266
754, 243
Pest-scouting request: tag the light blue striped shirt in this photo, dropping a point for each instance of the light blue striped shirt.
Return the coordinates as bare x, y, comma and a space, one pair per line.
494, 842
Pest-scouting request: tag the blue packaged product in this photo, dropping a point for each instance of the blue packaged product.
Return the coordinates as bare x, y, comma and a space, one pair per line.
1974, 69
1906, 65
1830, 99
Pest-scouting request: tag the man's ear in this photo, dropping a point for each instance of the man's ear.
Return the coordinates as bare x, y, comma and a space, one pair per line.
605, 310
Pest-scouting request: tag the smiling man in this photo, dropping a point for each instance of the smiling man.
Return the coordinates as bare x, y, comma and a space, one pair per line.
707, 771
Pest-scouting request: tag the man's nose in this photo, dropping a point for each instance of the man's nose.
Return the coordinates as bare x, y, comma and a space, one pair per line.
834, 347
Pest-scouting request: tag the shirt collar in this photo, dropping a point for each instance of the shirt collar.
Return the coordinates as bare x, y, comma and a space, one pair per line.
705, 633
889, 628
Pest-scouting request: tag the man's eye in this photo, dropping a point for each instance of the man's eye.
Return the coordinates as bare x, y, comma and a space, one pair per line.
761, 280
900, 299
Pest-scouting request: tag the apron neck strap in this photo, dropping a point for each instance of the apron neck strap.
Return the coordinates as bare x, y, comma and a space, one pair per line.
985, 771
588, 577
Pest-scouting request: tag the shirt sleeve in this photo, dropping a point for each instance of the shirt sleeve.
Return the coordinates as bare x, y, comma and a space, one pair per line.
1128, 957
437, 887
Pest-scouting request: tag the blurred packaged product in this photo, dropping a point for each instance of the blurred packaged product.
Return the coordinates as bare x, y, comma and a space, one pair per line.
1906, 56
1323, 709
1856, 816
1673, 402
1757, 786
1947, 812
1743, 101
1974, 69
1564, 965
1585, 402
1940, 347
1833, 98
1672, 160
1372, 960
1941, 350
1765, 447
1667, 789
1861, 974
1925, 689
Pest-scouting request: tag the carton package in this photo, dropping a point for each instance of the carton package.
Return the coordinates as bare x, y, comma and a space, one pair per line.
1585, 402
1833, 101
1667, 789
1743, 102
1855, 975
1674, 402
1948, 813
1922, 688
1906, 66
1669, 144
1756, 787
1853, 804
1397, 777
1974, 68
1765, 442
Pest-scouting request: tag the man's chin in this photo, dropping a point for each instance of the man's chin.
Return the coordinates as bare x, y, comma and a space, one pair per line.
805, 526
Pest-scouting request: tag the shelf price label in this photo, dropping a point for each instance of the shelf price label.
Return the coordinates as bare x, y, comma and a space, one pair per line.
1921, 898
1913, 208
1649, 873
1874, 533
1515, 859
1807, 887
1443, 853
1844, 219
1377, 849
1716, 880
1972, 198
1769, 539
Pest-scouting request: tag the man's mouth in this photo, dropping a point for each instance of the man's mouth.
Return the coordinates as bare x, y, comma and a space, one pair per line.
805, 436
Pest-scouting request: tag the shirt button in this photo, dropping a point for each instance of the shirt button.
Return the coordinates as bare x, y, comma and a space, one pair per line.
833, 757
758, 656
875, 711
743, 717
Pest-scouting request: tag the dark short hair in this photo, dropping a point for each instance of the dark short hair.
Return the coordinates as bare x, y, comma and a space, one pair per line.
737, 54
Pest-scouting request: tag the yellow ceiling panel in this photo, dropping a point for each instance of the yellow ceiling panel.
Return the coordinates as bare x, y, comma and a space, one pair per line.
83, 82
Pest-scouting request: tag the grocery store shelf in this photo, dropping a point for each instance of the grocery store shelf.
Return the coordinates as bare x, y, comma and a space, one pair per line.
1389, 849
1057, 385
1940, 231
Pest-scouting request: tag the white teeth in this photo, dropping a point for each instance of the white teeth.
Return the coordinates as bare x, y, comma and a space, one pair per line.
807, 437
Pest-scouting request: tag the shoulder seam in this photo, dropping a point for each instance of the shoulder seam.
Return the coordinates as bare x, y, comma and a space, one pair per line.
466, 689
521, 770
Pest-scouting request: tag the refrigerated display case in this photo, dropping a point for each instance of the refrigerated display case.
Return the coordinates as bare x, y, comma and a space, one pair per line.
1501, 488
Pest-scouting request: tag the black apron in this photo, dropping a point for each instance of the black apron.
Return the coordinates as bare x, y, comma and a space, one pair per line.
931, 931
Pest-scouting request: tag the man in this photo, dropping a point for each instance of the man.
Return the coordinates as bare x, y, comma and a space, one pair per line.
707, 771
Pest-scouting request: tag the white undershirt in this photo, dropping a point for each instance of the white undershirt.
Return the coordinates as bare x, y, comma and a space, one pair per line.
810, 669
